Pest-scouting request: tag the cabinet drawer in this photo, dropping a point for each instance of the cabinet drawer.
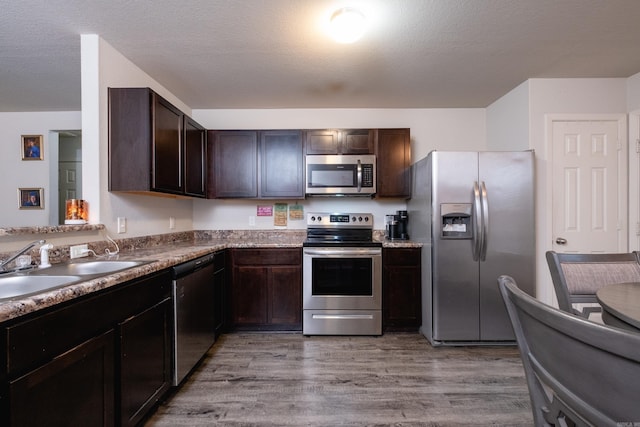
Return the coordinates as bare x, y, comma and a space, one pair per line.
401, 256
267, 256
39, 339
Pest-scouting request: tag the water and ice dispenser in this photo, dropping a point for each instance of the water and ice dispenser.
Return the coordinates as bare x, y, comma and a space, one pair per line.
456, 220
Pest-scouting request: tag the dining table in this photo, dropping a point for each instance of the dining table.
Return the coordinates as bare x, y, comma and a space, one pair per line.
621, 305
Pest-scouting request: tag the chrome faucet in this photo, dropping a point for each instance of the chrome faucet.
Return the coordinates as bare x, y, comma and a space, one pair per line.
20, 252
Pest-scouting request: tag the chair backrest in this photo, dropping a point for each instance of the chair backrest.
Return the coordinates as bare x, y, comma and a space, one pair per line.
576, 368
577, 277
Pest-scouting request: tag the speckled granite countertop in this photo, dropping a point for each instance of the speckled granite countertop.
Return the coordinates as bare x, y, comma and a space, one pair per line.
162, 255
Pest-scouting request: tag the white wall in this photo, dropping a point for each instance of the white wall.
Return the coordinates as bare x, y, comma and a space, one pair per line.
104, 67
508, 121
633, 93
431, 129
18, 173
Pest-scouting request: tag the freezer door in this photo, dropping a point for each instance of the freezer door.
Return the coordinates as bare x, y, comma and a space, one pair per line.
455, 275
510, 243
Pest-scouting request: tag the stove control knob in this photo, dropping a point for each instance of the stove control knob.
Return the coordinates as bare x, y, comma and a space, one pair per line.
360, 219
319, 218
366, 219
353, 219
313, 218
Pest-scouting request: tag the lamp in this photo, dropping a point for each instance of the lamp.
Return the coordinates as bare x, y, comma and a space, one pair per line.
347, 25
76, 212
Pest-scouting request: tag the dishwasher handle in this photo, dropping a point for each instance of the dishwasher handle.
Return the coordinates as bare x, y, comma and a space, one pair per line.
189, 267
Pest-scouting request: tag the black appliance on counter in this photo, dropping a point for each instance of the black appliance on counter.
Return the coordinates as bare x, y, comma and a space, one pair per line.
396, 226
342, 276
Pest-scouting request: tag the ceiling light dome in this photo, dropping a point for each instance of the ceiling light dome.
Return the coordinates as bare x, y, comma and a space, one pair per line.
347, 25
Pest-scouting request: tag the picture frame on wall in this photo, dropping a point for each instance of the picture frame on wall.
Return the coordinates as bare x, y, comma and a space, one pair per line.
32, 147
31, 198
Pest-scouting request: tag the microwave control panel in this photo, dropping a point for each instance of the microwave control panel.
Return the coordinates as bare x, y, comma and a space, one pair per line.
367, 175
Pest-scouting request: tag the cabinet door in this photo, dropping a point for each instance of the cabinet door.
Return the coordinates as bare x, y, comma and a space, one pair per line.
285, 296
195, 158
401, 289
167, 147
249, 295
233, 161
129, 139
145, 361
321, 141
282, 164
393, 155
357, 141
219, 294
75, 389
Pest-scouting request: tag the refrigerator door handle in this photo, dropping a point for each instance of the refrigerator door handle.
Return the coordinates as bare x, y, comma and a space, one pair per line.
477, 219
485, 222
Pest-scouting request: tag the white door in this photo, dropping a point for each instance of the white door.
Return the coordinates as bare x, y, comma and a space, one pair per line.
589, 167
69, 184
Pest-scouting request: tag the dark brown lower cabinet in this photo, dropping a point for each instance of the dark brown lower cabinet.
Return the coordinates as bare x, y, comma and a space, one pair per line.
74, 389
145, 365
266, 289
100, 360
401, 289
220, 293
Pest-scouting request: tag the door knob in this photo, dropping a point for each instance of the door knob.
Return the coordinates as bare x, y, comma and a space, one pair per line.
561, 241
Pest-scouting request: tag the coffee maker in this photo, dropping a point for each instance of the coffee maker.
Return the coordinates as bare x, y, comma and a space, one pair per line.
403, 221
396, 226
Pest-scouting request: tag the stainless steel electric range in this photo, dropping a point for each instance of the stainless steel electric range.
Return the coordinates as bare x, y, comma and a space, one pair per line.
342, 275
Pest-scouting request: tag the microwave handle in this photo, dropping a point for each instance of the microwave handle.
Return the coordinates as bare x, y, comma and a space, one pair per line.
359, 174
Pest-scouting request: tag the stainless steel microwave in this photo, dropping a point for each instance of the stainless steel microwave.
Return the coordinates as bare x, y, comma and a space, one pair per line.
341, 174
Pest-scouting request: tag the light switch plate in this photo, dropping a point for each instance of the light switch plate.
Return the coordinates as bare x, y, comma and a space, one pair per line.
122, 225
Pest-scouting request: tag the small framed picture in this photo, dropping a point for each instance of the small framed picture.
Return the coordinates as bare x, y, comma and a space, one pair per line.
32, 148
31, 198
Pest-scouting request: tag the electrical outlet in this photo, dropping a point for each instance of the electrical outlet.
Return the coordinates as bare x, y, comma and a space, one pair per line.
122, 225
252, 220
78, 251
172, 223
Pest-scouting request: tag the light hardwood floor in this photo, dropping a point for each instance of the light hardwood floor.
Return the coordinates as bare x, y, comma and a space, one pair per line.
395, 379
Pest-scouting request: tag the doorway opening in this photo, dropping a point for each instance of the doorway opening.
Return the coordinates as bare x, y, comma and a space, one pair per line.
66, 171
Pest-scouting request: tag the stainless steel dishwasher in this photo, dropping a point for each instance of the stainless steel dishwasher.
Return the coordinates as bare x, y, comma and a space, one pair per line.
194, 321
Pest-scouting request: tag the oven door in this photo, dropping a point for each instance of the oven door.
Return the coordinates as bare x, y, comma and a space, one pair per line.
342, 278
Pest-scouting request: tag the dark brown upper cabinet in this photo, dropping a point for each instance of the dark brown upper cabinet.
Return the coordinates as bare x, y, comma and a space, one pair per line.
233, 159
153, 146
393, 156
256, 164
195, 158
343, 141
281, 164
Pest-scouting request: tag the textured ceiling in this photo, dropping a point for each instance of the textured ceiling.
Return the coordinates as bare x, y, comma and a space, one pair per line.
276, 54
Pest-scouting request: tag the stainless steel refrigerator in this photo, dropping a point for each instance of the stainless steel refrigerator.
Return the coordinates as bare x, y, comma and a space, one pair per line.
474, 212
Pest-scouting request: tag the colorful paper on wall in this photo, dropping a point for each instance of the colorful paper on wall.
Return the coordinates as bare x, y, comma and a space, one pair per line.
280, 216
296, 212
264, 210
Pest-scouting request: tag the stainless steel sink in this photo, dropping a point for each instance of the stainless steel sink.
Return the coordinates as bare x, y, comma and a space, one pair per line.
18, 285
93, 267
36, 280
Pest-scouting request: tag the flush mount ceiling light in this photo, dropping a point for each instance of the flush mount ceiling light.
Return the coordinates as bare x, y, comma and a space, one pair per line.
347, 25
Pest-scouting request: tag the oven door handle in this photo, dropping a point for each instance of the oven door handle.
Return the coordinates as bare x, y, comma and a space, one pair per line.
359, 173
363, 252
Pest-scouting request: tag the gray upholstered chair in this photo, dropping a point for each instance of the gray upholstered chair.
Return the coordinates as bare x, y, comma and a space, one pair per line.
575, 368
577, 277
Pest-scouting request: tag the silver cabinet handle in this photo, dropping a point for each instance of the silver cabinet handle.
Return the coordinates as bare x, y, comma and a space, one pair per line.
561, 241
